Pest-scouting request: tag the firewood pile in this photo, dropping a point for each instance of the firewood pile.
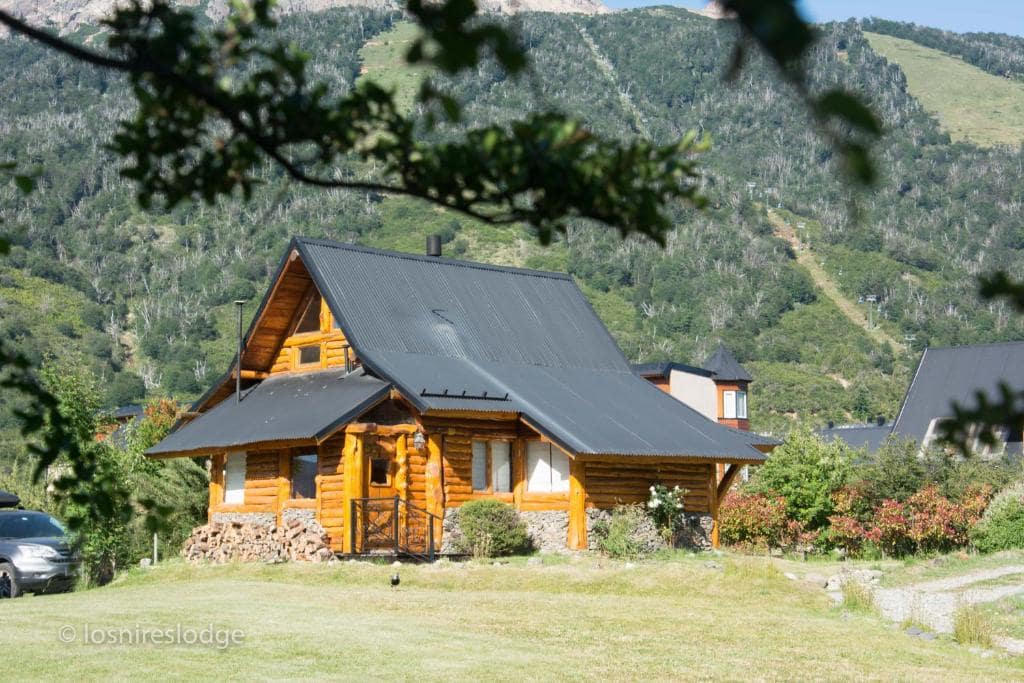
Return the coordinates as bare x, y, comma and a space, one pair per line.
295, 540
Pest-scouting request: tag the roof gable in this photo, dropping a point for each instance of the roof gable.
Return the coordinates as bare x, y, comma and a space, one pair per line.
723, 364
956, 374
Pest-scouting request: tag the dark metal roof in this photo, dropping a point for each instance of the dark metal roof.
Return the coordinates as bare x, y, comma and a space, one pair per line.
286, 407
665, 368
869, 437
956, 374
454, 335
725, 367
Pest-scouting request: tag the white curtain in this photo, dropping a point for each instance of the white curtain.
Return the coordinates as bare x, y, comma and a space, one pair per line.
501, 466
234, 478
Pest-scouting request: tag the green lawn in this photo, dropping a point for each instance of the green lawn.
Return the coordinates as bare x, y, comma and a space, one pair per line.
383, 60
578, 618
971, 104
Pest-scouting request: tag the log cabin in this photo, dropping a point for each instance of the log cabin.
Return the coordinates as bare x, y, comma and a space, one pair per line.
376, 392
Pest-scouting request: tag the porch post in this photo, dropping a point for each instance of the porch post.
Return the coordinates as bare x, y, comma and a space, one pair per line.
435, 483
713, 504
577, 505
353, 477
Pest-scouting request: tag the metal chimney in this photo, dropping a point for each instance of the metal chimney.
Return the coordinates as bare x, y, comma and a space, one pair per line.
434, 245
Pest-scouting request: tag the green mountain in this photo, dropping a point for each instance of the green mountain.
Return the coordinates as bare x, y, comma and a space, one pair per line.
776, 268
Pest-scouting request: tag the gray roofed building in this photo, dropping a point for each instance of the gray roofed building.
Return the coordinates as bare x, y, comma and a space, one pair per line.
869, 437
724, 366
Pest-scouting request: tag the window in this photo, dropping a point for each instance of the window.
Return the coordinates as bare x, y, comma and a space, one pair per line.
310, 320
309, 355
304, 475
234, 478
547, 467
380, 471
492, 466
734, 405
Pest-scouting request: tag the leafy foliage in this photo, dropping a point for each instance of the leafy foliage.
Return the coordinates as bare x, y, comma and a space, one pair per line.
628, 533
1002, 526
491, 528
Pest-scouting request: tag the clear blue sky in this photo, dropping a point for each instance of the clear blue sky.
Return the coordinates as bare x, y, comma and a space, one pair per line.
1001, 16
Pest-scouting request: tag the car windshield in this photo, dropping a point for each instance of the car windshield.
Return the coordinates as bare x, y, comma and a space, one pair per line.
30, 525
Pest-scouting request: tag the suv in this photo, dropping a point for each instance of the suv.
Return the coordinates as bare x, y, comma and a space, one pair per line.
35, 554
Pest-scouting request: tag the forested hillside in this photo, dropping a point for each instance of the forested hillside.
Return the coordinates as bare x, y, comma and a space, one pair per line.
145, 296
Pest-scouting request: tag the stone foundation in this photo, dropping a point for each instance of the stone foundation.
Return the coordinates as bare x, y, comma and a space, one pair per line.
548, 530
695, 535
252, 518
450, 535
301, 514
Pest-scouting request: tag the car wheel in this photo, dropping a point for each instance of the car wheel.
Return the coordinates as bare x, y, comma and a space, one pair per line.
8, 584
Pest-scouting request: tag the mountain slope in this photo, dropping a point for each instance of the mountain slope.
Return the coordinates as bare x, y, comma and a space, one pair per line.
938, 218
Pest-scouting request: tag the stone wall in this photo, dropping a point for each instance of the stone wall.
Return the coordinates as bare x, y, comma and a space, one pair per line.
253, 518
548, 530
301, 514
450, 535
696, 534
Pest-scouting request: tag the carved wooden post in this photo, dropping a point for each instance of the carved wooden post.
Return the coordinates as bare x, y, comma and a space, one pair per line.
435, 484
216, 483
402, 476
284, 488
353, 478
577, 505
713, 503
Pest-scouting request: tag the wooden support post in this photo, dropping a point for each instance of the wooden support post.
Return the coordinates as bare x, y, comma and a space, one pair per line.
353, 477
435, 483
216, 483
402, 476
577, 505
726, 481
518, 472
284, 487
713, 501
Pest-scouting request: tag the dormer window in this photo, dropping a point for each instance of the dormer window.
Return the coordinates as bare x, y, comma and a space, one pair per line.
734, 405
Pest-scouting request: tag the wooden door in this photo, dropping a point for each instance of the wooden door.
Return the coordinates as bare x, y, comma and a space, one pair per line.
379, 512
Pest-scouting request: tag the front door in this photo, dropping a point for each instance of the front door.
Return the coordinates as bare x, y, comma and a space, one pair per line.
379, 510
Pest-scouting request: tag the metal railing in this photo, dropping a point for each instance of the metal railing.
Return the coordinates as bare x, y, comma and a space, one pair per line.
392, 525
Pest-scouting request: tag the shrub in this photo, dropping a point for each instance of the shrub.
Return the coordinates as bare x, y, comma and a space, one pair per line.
1002, 526
753, 519
937, 524
971, 626
891, 529
805, 471
628, 533
665, 507
490, 528
857, 597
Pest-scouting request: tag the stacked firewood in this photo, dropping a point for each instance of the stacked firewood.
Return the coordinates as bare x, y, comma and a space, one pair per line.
295, 540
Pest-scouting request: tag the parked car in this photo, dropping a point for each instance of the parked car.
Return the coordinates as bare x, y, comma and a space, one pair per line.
36, 555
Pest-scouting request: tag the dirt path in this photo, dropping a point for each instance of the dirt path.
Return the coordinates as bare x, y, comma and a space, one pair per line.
933, 603
823, 281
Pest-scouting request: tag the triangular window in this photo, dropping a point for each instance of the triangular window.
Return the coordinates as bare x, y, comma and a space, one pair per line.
310, 319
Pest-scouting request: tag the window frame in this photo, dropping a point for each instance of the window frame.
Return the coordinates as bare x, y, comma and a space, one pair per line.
227, 498
741, 414
388, 480
563, 483
729, 404
489, 469
291, 473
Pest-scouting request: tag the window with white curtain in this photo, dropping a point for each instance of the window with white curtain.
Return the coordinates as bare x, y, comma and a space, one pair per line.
234, 478
729, 404
492, 466
547, 468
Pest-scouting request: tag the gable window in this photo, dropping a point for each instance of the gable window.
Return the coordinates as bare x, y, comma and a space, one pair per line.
547, 468
309, 321
734, 405
234, 478
492, 466
304, 475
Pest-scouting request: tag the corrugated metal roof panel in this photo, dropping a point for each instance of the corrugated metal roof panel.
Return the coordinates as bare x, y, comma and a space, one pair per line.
280, 408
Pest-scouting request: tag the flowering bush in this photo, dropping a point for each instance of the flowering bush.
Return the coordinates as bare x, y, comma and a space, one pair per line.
665, 506
755, 520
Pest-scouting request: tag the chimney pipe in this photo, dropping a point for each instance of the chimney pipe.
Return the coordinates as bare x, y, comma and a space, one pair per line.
881, 420
434, 245
238, 357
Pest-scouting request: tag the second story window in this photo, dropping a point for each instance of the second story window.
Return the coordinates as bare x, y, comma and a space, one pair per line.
309, 321
734, 405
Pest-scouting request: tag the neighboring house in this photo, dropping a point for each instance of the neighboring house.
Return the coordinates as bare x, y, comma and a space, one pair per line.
868, 437
382, 390
946, 376
112, 424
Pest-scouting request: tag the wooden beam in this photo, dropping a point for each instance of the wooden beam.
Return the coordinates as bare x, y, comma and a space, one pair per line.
713, 503
216, 483
284, 488
351, 474
727, 479
577, 505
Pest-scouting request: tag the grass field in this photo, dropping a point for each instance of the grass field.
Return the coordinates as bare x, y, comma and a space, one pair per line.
971, 104
383, 60
681, 619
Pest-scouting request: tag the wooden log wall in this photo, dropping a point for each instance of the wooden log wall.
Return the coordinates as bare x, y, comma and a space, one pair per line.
628, 480
261, 480
331, 340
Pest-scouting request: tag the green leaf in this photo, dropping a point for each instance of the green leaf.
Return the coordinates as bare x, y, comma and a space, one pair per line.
25, 183
848, 108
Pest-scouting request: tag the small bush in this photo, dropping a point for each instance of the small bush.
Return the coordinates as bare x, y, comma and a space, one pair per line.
629, 533
1002, 526
971, 626
490, 528
753, 520
857, 597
